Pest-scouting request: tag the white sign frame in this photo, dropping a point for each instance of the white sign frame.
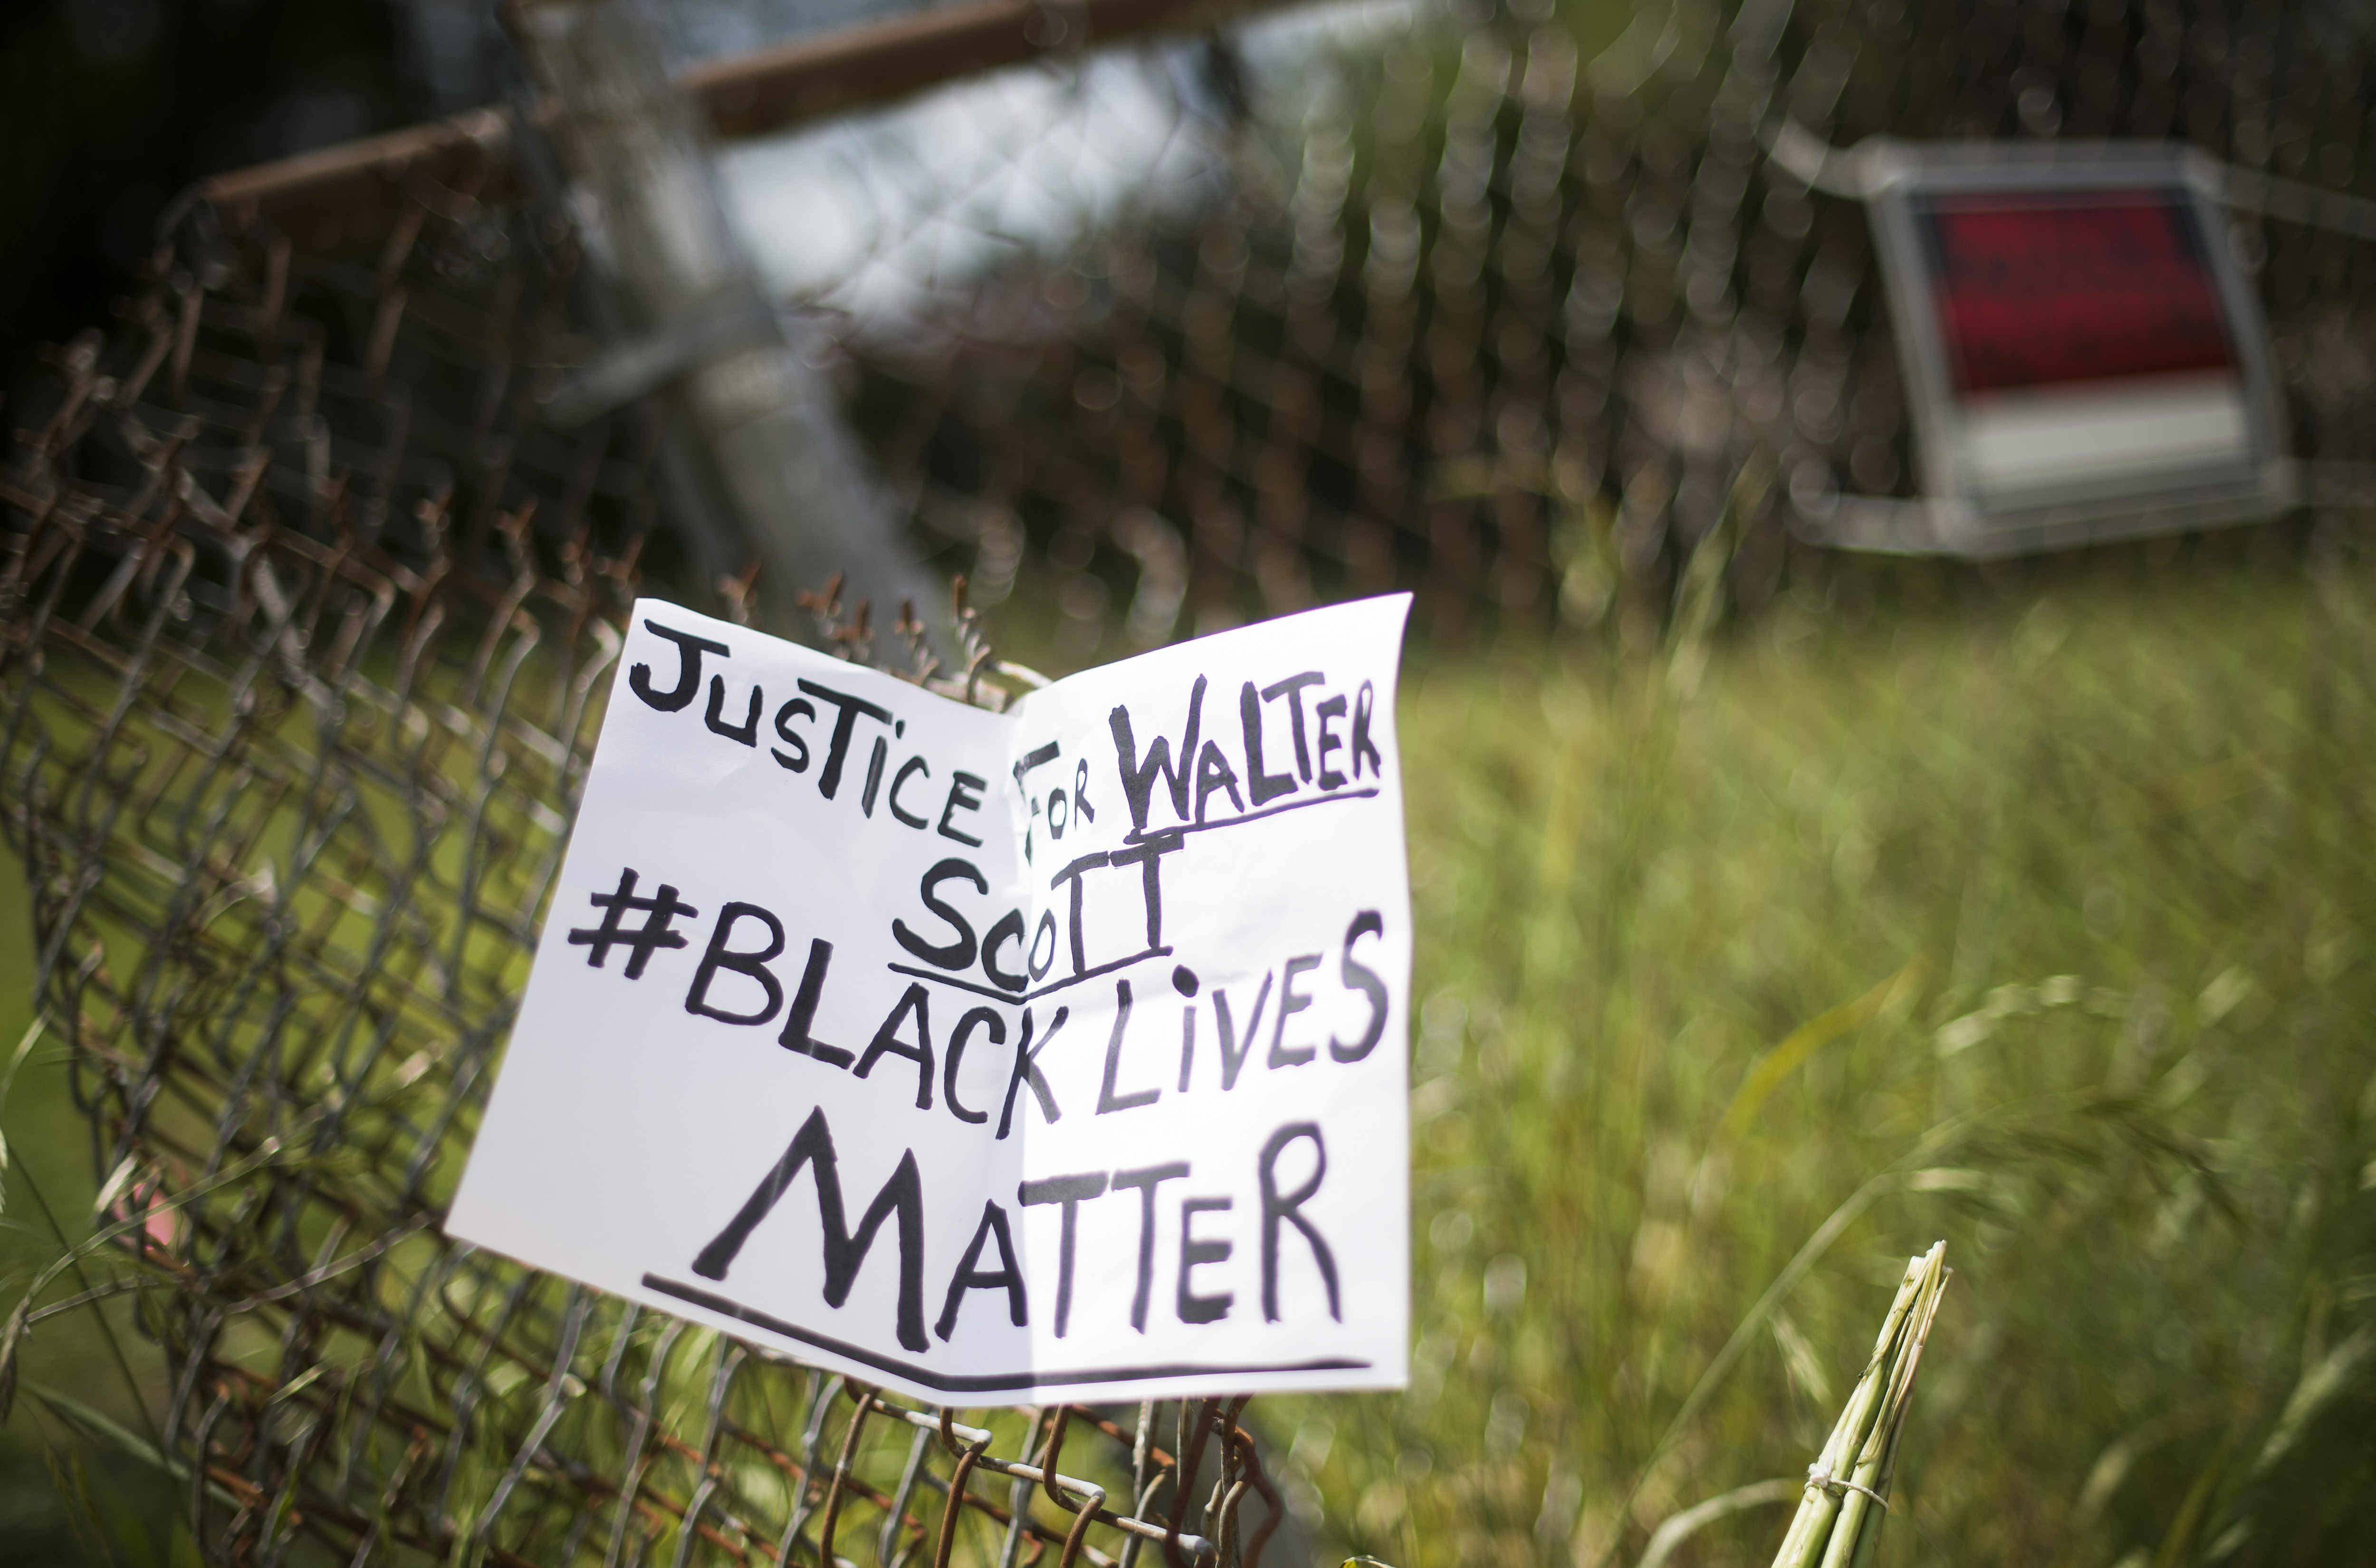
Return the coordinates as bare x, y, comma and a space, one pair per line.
2092, 463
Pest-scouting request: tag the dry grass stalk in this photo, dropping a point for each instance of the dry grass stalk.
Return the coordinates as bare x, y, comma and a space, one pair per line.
1848, 1486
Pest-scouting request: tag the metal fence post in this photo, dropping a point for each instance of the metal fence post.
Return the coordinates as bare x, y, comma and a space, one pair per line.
790, 475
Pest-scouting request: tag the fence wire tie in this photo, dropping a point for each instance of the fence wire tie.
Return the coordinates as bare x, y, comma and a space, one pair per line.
1839, 1486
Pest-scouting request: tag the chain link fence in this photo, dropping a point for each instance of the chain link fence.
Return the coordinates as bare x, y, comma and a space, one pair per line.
1506, 311
291, 803
309, 598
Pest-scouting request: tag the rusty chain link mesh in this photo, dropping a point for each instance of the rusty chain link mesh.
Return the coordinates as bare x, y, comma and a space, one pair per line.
295, 719
291, 794
307, 614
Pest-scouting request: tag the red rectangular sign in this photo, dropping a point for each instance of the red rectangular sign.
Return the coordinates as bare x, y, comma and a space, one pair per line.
2038, 289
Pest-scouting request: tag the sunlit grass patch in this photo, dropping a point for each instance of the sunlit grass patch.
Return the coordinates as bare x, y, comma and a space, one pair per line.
2040, 922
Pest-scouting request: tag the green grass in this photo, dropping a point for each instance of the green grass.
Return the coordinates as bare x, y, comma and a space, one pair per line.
2038, 918
2033, 913
60, 1497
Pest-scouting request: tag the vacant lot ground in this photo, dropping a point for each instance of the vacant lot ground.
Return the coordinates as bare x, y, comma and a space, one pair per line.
2035, 915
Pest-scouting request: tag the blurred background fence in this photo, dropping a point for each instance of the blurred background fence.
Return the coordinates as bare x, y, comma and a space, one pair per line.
1512, 309
315, 555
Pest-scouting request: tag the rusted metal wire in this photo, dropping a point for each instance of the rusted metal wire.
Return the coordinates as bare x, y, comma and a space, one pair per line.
291, 743
308, 612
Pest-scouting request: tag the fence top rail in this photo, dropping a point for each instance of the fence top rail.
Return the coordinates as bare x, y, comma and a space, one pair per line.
340, 188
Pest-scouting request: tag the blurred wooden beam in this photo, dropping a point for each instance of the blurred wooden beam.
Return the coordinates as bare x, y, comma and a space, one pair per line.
351, 190
339, 192
752, 94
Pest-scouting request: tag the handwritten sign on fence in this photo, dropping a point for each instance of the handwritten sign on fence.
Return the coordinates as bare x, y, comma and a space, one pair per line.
1055, 1054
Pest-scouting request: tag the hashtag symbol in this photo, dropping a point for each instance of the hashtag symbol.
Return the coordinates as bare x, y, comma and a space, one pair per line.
664, 909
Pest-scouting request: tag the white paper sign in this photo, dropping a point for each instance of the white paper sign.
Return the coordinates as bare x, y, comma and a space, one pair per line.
999, 1059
